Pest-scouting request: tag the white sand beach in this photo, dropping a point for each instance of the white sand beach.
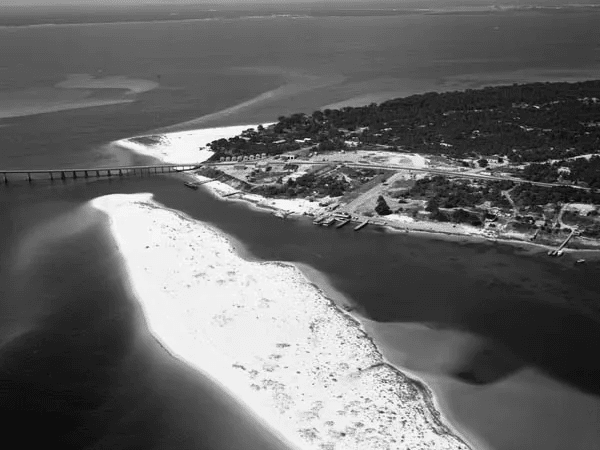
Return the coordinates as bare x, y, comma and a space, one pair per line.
182, 147
269, 335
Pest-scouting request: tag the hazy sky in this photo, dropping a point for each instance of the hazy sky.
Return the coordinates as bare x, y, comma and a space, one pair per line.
119, 2
249, 2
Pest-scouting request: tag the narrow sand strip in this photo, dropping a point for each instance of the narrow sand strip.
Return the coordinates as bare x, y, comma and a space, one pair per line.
182, 147
269, 335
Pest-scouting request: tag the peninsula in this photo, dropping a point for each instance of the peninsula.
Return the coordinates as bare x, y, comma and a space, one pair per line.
519, 162
514, 162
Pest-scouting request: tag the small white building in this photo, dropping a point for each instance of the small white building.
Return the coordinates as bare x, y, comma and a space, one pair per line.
564, 171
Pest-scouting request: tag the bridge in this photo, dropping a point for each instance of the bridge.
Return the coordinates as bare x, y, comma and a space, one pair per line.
95, 172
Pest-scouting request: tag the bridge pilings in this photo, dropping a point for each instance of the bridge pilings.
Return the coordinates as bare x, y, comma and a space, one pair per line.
54, 174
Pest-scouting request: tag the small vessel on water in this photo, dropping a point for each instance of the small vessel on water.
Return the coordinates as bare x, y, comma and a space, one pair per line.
191, 185
580, 261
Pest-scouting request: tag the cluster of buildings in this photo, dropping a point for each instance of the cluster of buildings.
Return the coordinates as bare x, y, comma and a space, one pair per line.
242, 157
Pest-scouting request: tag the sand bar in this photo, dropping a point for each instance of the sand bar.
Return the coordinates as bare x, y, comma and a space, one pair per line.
269, 335
182, 147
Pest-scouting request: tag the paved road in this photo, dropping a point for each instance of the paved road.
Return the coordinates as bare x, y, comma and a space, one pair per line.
448, 173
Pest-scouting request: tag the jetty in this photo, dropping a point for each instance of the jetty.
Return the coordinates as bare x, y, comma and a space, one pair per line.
231, 193
7, 176
559, 250
342, 223
361, 225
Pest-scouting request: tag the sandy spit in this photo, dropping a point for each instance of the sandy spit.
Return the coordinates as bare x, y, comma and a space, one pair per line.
269, 335
182, 147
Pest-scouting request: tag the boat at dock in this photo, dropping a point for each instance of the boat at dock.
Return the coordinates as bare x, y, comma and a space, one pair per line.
361, 225
341, 215
318, 220
191, 185
328, 222
342, 223
281, 214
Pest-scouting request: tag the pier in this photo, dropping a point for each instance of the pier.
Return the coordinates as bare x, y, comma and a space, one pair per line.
361, 225
343, 223
232, 193
30, 176
559, 250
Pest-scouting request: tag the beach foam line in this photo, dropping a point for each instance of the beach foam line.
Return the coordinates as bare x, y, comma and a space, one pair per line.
182, 147
269, 335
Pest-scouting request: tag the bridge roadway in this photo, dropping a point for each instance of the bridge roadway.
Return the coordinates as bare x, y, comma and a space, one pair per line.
96, 172
447, 173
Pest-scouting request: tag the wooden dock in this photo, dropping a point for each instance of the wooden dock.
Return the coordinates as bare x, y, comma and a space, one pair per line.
30, 176
343, 223
558, 251
231, 193
361, 225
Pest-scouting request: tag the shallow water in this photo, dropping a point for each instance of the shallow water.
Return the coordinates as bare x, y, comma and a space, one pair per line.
481, 333
77, 360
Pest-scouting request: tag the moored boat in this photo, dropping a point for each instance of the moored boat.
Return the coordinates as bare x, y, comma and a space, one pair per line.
191, 185
328, 222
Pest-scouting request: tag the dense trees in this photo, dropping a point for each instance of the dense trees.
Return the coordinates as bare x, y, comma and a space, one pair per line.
529, 195
444, 193
576, 170
382, 208
304, 186
532, 122
524, 123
